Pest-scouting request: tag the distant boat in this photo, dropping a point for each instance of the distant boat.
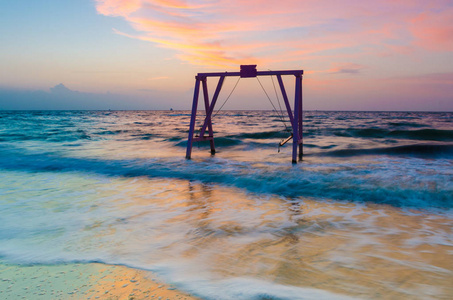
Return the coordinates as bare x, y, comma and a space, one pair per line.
171, 109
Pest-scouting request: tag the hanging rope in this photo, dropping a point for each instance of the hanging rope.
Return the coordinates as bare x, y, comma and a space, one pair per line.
278, 100
224, 102
280, 114
275, 109
239, 78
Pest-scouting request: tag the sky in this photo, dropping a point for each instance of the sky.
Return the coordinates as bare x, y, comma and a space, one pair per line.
144, 54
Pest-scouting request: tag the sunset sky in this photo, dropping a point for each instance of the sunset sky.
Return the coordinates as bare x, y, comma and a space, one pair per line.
144, 54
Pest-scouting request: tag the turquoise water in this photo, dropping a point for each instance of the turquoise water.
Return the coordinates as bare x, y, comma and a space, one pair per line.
367, 214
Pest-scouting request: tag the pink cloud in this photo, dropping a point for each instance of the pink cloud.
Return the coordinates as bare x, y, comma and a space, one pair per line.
434, 30
158, 78
228, 32
117, 7
173, 4
346, 68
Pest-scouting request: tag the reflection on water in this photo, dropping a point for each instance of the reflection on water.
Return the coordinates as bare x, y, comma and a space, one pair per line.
191, 232
360, 250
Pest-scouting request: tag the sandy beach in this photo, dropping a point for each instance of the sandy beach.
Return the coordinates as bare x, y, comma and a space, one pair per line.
82, 281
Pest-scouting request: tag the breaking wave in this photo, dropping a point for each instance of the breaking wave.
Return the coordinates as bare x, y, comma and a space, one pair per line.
404, 186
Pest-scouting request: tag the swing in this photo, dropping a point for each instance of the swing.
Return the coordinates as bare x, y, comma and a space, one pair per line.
280, 113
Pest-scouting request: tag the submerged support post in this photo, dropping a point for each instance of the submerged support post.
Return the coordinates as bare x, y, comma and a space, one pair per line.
296, 136
211, 108
206, 106
193, 117
285, 98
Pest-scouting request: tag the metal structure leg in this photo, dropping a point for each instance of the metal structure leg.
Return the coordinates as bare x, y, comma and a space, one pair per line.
193, 118
211, 107
301, 117
296, 137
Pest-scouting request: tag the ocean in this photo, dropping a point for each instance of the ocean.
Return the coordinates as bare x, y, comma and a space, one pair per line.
367, 213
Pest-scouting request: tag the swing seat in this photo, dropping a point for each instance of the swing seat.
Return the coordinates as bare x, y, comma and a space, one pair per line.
282, 142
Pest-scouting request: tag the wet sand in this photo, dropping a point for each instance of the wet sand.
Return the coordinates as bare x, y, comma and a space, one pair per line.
83, 281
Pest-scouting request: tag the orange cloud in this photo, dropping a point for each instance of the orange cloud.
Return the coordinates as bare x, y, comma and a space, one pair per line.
164, 28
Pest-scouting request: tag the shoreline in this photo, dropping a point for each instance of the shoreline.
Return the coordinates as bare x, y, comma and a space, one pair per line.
83, 281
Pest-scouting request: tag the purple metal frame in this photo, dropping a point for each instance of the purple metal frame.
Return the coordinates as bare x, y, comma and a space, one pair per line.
296, 117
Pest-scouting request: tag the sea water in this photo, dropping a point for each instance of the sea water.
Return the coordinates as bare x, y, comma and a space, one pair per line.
367, 214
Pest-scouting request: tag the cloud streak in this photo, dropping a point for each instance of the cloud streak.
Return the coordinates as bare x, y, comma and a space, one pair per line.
348, 68
227, 33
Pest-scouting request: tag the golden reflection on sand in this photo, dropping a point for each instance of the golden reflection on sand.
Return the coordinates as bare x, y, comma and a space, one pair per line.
82, 281
126, 283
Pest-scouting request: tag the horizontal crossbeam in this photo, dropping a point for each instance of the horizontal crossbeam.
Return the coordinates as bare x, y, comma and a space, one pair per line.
258, 73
